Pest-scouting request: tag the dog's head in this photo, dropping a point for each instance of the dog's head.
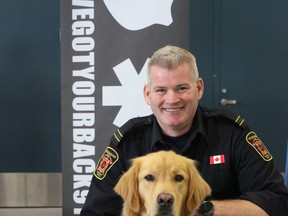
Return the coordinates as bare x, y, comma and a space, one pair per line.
162, 183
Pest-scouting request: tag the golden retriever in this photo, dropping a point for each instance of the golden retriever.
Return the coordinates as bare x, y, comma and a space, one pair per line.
162, 183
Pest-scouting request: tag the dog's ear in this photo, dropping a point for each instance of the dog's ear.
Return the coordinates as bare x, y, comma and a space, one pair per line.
198, 188
127, 188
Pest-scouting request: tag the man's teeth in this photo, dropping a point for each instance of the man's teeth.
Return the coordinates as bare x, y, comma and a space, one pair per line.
172, 109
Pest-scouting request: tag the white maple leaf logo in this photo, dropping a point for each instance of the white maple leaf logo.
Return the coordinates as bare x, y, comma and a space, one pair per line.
135, 15
130, 95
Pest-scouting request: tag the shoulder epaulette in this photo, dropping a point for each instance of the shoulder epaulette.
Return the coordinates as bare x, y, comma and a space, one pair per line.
226, 114
120, 132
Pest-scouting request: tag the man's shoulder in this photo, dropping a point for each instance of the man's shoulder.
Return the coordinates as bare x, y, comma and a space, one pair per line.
224, 115
132, 125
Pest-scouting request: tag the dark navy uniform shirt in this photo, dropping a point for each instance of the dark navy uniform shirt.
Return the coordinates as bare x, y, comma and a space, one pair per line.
231, 158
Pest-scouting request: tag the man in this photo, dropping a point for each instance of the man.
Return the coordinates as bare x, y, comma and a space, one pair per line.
232, 159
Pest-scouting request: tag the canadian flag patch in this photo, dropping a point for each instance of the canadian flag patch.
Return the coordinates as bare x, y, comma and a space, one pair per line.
217, 159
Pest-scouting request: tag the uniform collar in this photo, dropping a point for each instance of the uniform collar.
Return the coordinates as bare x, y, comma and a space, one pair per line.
198, 127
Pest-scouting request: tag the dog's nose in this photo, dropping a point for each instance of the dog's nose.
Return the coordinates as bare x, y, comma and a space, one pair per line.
165, 199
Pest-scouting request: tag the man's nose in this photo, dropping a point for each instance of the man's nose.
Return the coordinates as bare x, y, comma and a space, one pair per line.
172, 97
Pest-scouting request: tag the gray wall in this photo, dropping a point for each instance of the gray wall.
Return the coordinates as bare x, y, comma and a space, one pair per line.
30, 86
30, 136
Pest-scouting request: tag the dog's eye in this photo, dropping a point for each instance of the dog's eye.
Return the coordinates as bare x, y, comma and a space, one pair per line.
178, 178
149, 178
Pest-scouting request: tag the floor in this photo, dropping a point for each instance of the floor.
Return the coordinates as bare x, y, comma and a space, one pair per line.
31, 211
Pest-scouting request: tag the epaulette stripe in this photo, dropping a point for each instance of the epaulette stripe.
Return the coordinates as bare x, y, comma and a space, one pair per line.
116, 137
241, 122
237, 119
120, 133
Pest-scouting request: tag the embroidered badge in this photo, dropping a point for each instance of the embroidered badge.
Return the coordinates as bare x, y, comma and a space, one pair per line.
108, 159
217, 159
258, 145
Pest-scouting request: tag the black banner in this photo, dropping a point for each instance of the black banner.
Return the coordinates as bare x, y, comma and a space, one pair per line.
104, 50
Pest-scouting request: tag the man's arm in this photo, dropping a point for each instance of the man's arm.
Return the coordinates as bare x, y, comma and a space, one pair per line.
237, 208
101, 199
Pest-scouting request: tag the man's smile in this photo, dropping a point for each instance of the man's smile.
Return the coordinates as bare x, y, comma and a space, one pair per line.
175, 109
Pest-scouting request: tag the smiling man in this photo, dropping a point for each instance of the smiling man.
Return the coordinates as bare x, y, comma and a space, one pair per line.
231, 157
173, 91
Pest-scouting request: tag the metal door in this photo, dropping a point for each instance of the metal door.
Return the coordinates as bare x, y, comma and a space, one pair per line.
249, 52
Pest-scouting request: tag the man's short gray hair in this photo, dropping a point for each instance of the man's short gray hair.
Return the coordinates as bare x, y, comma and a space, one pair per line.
170, 57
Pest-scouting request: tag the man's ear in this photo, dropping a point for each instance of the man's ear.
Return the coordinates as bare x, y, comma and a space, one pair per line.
147, 92
200, 88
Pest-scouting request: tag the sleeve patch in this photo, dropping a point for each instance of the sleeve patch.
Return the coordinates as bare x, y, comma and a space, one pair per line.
258, 145
107, 160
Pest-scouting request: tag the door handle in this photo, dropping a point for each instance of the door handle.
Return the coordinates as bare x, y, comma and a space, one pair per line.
225, 102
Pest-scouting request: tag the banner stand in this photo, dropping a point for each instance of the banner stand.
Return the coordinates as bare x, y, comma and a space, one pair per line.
104, 49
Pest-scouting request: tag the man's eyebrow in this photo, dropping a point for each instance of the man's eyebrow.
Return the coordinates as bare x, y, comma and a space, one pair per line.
183, 85
159, 87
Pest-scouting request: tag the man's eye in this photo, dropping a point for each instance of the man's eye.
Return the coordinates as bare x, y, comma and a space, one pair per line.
160, 91
178, 178
182, 89
149, 177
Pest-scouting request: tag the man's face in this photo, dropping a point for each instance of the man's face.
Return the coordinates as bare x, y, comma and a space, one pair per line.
173, 96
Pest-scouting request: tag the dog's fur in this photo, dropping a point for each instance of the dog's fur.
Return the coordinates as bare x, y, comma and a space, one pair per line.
162, 183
